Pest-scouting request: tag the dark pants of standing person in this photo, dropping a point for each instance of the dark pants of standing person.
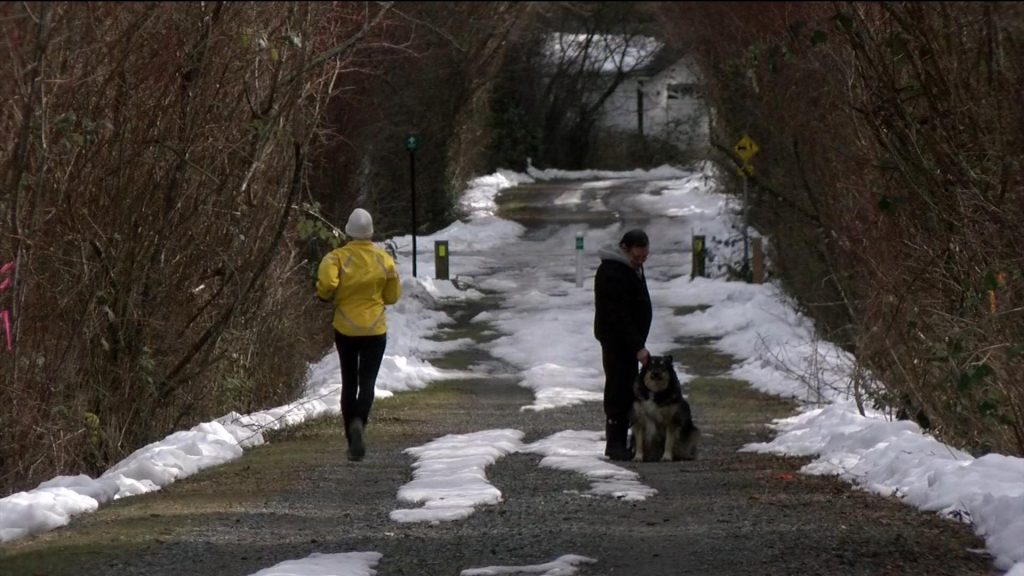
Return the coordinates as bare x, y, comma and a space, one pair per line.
360, 361
620, 371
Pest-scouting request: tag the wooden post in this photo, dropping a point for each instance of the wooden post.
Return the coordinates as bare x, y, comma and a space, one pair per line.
699, 255
757, 275
441, 259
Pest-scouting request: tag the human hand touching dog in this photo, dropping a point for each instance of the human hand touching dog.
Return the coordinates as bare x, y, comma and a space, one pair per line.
643, 356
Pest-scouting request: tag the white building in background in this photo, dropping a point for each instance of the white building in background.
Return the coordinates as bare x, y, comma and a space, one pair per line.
661, 95
666, 103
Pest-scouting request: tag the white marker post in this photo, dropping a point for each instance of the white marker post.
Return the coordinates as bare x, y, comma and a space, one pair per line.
579, 259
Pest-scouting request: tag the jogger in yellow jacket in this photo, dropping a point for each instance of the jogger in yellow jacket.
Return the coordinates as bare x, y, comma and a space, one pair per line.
360, 279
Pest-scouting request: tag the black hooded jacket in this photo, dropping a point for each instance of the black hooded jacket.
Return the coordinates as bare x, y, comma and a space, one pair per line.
622, 305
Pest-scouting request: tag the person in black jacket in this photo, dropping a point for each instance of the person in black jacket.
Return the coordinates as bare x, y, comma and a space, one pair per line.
622, 321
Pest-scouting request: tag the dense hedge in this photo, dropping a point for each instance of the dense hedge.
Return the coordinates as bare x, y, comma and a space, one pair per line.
890, 182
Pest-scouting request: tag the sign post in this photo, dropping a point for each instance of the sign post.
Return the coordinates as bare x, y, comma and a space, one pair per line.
579, 259
441, 259
699, 250
746, 148
412, 142
757, 273
640, 107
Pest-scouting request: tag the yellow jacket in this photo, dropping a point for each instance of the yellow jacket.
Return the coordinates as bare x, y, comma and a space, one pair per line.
361, 279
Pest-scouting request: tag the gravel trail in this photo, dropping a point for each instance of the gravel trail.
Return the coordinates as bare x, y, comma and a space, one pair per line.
726, 514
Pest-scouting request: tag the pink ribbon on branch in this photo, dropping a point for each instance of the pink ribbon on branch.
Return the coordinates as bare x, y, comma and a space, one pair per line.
6, 271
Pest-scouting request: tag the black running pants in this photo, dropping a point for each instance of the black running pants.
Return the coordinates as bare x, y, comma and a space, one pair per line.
360, 358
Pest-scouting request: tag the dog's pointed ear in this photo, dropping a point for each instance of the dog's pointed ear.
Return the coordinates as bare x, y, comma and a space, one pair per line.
668, 358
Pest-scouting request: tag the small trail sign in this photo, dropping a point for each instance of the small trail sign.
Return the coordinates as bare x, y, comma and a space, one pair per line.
746, 148
745, 170
412, 142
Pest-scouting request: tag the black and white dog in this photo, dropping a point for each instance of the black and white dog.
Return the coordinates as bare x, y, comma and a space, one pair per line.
661, 419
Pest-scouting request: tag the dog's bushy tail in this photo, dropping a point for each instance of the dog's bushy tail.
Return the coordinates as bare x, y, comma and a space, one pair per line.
690, 436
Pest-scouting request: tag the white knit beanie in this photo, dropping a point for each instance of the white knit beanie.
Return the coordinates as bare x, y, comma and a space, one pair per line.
360, 225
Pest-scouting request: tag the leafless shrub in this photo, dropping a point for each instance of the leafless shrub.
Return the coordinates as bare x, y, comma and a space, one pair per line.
888, 143
152, 155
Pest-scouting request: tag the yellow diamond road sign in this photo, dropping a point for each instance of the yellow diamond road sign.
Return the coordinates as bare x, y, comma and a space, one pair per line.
746, 148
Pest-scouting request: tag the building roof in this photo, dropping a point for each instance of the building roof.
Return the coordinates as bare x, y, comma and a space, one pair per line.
604, 54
